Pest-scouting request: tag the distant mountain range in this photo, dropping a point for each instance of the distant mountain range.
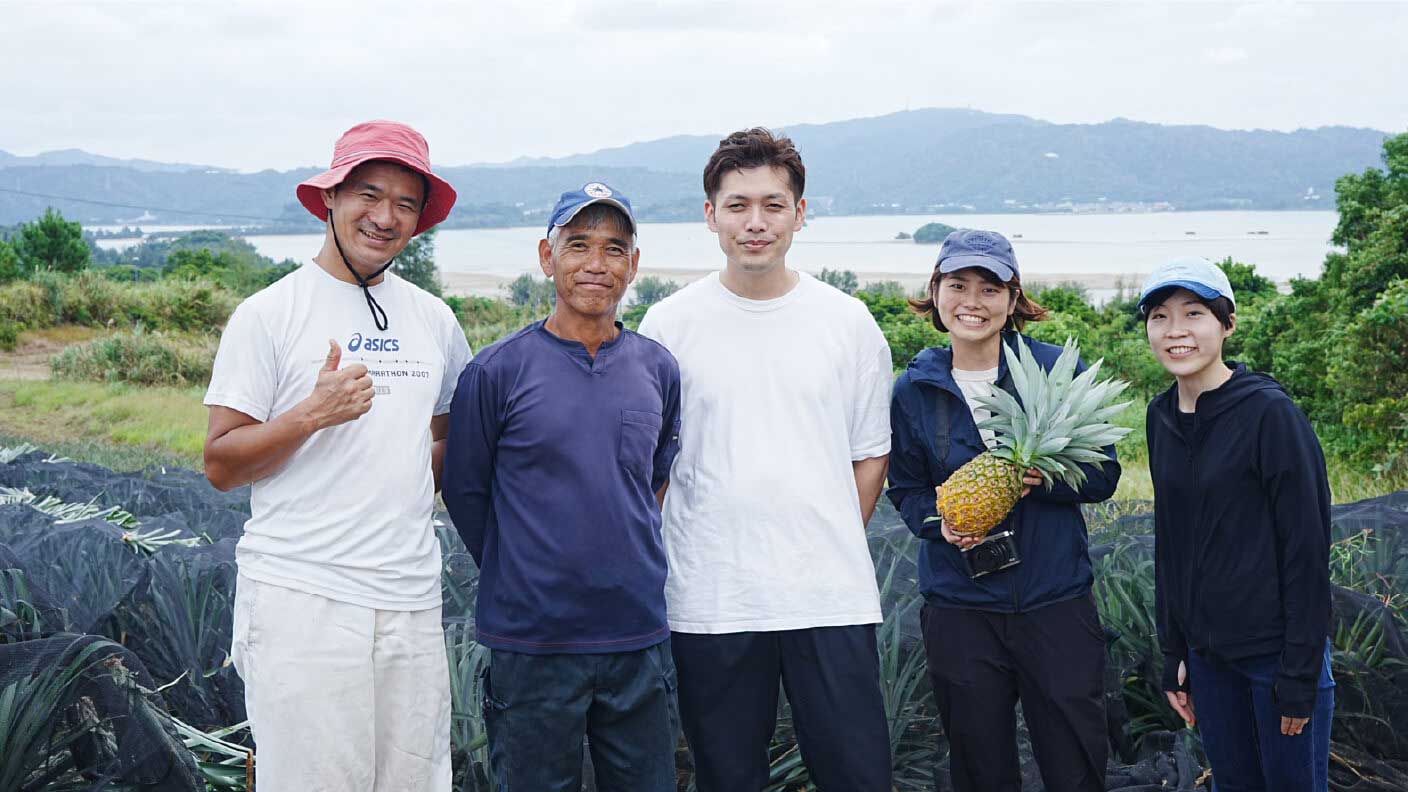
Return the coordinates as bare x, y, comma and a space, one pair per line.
932, 161
81, 157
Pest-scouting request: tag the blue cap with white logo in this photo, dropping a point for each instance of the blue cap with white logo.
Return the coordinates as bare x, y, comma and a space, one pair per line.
969, 247
593, 192
1194, 273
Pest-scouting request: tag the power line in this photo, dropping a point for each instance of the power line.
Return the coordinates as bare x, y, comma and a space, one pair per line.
133, 206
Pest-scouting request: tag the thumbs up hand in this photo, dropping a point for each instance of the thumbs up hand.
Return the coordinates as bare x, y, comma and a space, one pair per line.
341, 394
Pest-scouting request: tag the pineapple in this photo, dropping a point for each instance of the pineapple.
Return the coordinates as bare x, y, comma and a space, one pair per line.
1062, 420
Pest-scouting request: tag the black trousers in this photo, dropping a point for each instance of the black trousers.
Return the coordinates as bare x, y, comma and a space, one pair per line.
1053, 660
728, 706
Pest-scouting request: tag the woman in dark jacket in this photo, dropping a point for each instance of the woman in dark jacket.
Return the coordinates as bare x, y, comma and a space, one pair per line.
1027, 631
1242, 544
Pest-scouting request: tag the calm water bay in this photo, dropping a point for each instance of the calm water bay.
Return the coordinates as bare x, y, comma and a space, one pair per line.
1092, 248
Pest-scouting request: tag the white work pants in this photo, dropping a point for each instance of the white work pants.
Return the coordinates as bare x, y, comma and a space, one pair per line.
342, 697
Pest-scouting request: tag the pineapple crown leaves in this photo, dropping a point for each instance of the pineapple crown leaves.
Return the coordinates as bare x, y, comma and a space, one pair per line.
1058, 419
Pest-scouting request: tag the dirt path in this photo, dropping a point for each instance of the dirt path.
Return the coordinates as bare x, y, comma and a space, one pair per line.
30, 359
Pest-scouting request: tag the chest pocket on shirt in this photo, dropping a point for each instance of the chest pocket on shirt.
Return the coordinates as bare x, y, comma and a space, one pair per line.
640, 431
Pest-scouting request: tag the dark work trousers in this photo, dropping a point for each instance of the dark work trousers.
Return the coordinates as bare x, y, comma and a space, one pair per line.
538, 707
728, 687
1053, 660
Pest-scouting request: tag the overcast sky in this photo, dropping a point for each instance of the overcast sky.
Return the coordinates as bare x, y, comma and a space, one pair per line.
253, 85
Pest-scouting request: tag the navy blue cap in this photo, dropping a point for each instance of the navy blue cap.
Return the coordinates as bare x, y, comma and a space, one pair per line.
969, 247
1194, 273
593, 192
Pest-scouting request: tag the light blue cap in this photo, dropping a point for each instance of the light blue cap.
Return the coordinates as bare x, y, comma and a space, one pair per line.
1194, 273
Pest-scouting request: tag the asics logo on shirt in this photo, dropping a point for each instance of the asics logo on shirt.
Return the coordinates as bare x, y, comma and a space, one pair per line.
373, 344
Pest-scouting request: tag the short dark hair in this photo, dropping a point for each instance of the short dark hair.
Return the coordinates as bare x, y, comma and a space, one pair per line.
1221, 307
1027, 309
755, 148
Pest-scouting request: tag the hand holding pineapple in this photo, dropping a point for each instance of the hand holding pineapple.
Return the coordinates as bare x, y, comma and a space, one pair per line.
1061, 421
1032, 478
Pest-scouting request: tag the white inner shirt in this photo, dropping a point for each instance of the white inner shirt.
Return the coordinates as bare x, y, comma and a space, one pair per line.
978, 383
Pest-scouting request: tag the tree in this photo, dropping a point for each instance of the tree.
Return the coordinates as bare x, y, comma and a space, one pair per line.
527, 291
651, 290
1374, 370
1071, 299
51, 243
933, 233
10, 268
886, 288
1247, 285
845, 280
417, 263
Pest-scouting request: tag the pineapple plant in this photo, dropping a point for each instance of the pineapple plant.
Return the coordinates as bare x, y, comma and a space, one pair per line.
1061, 420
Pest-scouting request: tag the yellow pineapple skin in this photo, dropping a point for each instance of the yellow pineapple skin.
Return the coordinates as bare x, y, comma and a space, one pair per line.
977, 497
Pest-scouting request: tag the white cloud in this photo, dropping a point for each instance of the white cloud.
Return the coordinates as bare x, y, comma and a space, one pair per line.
256, 84
1226, 55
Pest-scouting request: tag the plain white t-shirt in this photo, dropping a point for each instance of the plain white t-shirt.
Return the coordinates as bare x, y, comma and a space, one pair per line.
348, 517
978, 383
762, 520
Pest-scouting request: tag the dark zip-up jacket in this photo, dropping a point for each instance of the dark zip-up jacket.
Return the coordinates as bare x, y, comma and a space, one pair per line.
1242, 533
1048, 526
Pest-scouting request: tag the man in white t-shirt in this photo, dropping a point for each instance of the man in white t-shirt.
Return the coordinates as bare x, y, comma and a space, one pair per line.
785, 387
330, 395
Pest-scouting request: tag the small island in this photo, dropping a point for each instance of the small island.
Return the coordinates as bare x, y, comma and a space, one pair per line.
933, 233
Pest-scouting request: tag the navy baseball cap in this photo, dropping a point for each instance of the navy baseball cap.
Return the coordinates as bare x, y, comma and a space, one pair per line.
593, 192
969, 247
1194, 273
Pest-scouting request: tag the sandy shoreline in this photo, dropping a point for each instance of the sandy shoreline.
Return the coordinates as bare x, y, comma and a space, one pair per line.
489, 285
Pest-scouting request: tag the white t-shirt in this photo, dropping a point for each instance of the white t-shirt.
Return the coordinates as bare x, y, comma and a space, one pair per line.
348, 516
978, 383
762, 521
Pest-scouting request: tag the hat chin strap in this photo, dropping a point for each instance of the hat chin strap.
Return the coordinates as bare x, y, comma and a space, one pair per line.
378, 313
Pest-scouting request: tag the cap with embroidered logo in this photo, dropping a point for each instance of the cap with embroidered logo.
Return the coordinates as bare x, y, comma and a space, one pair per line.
969, 247
591, 193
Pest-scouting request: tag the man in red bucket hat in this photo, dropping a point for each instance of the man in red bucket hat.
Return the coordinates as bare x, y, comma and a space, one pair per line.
322, 393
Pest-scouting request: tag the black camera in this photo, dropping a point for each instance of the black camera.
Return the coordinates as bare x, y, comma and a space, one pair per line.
998, 551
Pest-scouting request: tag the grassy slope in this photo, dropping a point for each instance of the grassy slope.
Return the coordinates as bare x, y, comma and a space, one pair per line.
119, 426
126, 427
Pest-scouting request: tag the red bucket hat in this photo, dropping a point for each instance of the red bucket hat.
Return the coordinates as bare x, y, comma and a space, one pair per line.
381, 140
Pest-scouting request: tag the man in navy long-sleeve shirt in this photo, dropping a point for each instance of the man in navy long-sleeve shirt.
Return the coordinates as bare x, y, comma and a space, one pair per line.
561, 436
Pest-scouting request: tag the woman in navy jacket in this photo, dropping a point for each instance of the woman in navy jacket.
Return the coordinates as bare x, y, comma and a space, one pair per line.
1028, 631
1242, 544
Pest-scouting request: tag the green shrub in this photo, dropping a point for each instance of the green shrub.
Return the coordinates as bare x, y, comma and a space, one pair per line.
182, 305
651, 289
887, 288
1247, 285
1370, 374
529, 291
1066, 298
25, 304
10, 268
91, 299
486, 320
1059, 326
9, 335
139, 357
845, 280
